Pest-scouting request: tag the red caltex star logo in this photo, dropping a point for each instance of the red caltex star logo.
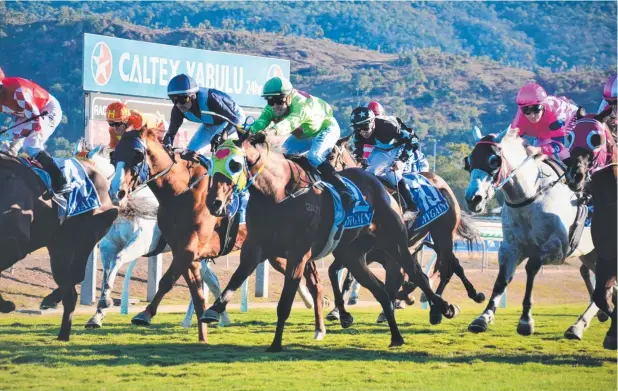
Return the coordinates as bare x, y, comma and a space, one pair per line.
101, 63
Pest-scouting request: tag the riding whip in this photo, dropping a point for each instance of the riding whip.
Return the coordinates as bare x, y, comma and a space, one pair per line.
43, 114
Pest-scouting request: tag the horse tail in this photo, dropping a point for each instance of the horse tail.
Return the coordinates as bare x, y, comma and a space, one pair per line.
467, 231
161, 244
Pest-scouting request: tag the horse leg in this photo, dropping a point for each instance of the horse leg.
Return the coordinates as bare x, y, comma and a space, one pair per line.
111, 265
357, 265
51, 301
605, 273
526, 322
509, 257
69, 301
180, 263
279, 265
193, 278
250, 257
212, 282
576, 331
339, 312
393, 281
584, 270
315, 288
293, 273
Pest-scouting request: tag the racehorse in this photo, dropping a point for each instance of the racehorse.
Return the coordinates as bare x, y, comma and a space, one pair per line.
189, 229
30, 220
288, 217
593, 163
536, 217
443, 230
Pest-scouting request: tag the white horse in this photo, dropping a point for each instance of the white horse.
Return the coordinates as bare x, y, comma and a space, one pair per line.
536, 217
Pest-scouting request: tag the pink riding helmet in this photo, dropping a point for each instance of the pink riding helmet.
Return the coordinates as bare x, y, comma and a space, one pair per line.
531, 94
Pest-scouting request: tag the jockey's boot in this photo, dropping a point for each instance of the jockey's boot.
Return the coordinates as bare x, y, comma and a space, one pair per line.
410, 209
330, 175
59, 182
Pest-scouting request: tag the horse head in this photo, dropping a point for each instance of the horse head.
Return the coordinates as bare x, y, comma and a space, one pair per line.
486, 167
591, 147
235, 165
131, 164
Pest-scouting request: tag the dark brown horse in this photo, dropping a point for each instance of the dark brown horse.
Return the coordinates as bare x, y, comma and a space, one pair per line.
30, 221
593, 159
298, 227
186, 224
443, 230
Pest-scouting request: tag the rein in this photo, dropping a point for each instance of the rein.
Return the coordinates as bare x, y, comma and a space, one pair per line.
154, 177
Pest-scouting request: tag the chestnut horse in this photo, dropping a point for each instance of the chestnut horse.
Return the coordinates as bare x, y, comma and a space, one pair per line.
189, 229
29, 221
593, 159
289, 217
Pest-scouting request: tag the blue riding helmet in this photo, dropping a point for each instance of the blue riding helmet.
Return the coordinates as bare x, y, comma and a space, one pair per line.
182, 85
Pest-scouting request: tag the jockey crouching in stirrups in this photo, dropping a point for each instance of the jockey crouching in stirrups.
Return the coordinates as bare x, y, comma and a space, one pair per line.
205, 106
25, 101
311, 125
383, 148
120, 120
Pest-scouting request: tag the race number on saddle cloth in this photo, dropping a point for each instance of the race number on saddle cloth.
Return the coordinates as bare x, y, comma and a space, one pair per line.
430, 202
230, 161
83, 196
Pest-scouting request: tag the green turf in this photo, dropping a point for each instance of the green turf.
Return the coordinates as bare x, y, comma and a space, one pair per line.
165, 356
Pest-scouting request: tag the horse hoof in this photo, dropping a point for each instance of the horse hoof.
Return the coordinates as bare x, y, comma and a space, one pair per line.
94, 323
525, 329
48, 304
210, 316
435, 319
400, 305
141, 319
7, 306
274, 349
479, 298
609, 342
478, 325
574, 332
396, 342
452, 312
381, 318
410, 300
602, 316
333, 316
346, 320
319, 335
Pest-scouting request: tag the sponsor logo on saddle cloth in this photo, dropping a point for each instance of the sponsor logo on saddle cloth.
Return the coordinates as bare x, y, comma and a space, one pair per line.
429, 201
83, 196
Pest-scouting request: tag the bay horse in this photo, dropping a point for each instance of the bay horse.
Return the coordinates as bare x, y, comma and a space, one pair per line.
536, 217
289, 217
444, 230
30, 221
190, 230
594, 164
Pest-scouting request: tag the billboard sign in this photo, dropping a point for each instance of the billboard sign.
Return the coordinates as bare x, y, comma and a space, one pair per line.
136, 68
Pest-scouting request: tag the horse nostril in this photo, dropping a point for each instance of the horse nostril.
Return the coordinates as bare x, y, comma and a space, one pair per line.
578, 177
121, 194
216, 205
477, 199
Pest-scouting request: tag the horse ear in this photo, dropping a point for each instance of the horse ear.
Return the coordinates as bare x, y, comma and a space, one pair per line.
581, 112
476, 133
508, 131
603, 115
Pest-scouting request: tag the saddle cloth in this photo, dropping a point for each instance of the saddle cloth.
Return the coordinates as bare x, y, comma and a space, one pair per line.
83, 196
430, 202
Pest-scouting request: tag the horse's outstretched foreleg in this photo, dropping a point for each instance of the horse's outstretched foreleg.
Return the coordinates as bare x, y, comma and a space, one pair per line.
251, 256
212, 282
194, 281
51, 301
526, 322
510, 256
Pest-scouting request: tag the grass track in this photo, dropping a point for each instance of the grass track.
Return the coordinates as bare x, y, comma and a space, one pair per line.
166, 357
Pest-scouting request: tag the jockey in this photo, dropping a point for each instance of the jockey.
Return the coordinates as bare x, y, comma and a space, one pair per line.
383, 147
310, 124
544, 121
24, 100
121, 119
609, 104
197, 105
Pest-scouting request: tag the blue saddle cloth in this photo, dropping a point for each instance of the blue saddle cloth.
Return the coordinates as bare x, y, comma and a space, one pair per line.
429, 201
83, 196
